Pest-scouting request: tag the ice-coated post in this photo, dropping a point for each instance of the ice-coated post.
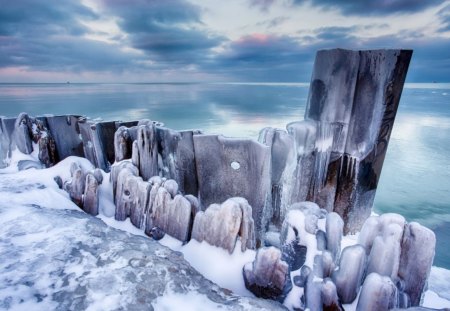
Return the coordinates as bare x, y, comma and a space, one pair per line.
354, 96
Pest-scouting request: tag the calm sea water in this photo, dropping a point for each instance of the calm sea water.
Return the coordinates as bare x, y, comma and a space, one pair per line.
415, 181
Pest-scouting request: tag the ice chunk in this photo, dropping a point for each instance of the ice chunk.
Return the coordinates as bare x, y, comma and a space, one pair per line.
300, 280
90, 196
385, 253
304, 133
75, 187
283, 162
116, 168
247, 229
268, 276
378, 293
418, 247
313, 292
219, 225
328, 264
321, 240
334, 231
376, 225
171, 187
138, 210
349, 276
330, 300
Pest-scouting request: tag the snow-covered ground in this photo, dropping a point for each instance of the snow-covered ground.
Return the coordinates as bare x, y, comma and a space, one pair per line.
21, 193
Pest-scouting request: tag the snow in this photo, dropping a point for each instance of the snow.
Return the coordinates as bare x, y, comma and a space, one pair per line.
21, 191
215, 263
433, 300
176, 301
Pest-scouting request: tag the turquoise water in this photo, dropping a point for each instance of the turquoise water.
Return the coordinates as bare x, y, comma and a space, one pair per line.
415, 181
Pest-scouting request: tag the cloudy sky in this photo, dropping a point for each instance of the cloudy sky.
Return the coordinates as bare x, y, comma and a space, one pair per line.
211, 40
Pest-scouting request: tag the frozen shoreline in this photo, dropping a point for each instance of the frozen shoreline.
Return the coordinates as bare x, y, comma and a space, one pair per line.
37, 187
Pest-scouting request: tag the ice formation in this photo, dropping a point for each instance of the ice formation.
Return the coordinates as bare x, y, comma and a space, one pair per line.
291, 196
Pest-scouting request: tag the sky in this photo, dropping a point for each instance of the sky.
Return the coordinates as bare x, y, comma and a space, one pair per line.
211, 40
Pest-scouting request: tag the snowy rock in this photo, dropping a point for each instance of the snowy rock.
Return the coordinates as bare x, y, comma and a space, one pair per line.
76, 262
156, 233
268, 276
90, 195
417, 253
334, 232
58, 181
294, 254
293, 231
378, 293
348, 278
47, 151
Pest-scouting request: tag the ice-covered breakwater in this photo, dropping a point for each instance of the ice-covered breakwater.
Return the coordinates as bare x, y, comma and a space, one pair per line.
333, 157
209, 187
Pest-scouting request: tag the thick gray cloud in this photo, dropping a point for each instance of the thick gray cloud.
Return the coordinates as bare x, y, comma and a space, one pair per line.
374, 7
289, 59
28, 18
172, 37
358, 7
49, 37
265, 58
168, 31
